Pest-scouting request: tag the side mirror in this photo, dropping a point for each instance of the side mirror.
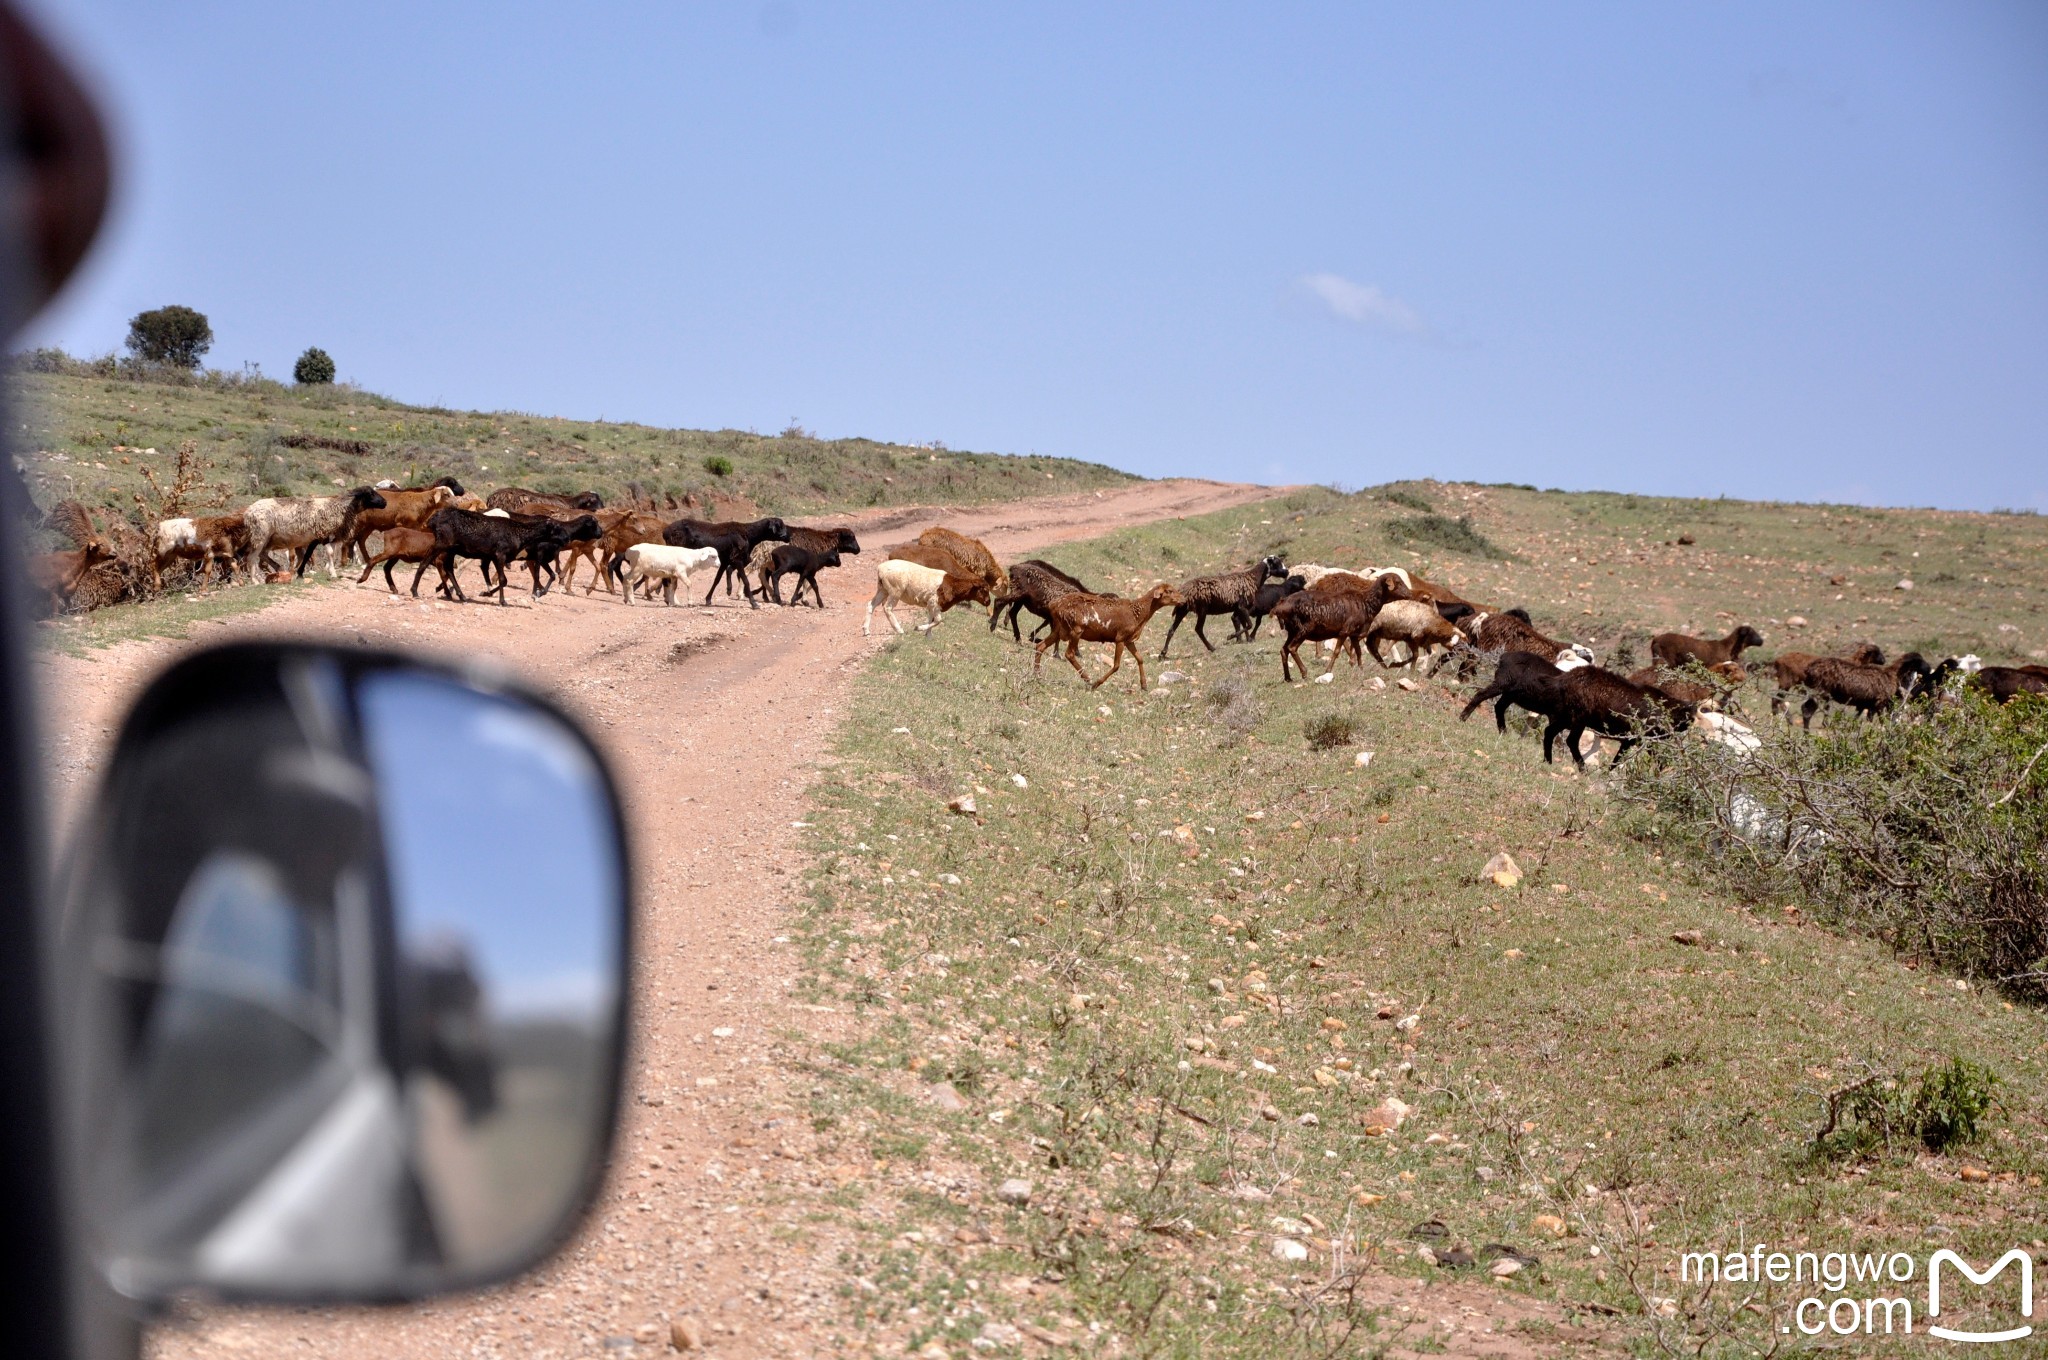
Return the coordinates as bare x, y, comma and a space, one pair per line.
346, 951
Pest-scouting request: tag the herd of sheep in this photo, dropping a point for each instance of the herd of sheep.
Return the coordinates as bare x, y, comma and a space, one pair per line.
1402, 619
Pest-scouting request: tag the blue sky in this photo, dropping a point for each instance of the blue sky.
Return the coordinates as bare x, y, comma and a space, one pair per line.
1752, 249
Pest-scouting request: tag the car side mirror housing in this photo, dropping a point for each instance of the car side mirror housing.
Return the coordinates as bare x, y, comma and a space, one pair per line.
346, 950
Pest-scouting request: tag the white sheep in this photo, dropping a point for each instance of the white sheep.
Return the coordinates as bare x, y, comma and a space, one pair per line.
298, 524
670, 566
928, 588
1419, 629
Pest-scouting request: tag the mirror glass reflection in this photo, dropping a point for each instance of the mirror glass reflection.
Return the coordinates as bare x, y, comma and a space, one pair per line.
504, 882
353, 1012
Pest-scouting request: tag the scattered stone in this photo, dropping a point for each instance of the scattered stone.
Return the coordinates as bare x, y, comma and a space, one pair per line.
1312, 1120
1020, 781
1377, 684
1457, 1258
1362, 759
1502, 870
1016, 1191
1975, 1174
950, 880
1331, 1022
1365, 1199
1405, 683
1408, 1022
1172, 678
1384, 1117
1104, 710
1504, 1267
1688, 937
1425, 1255
1550, 1225
1511, 953
998, 1334
1287, 1249
1327, 677
1685, 540
942, 1094
964, 806
686, 1334
1796, 621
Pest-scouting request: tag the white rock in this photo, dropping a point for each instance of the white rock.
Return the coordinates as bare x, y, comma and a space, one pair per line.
1016, 1190
1287, 1249
1020, 781
1362, 759
1327, 677
1905, 583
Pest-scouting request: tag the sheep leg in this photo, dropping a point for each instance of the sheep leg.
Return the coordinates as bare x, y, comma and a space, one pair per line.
1200, 618
1550, 736
668, 591
1038, 653
1116, 659
1141, 665
1806, 711
1180, 611
1291, 647
809, 578
1074, 660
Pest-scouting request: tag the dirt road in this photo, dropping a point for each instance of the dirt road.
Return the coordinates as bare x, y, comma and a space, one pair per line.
715, 721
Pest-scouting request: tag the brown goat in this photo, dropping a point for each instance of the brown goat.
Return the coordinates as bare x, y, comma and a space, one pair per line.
1867, 689
59, 573
1675, 649
622, 530
1727, 675
1079, 617
401, 545
407, 508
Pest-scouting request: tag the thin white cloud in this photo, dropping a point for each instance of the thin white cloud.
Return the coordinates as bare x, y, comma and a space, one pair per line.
1364, 304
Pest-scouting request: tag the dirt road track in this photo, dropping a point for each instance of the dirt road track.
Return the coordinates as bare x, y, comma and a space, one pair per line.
715, 721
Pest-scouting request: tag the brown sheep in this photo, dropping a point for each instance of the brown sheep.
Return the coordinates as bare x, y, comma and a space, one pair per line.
980, 562
1417, 624
1789, 671
406, 508
401, 545
1675, 649
1079, 617
1340, 615
1727, 675
1867, 689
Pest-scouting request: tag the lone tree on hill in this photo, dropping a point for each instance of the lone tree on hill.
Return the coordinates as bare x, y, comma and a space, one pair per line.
314, 366
173, 335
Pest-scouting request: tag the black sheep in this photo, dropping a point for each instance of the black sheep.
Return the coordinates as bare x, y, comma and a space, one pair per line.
734, 541
806, 564
1244, 624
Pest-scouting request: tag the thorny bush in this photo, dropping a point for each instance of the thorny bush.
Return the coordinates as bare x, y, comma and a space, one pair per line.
1928, 829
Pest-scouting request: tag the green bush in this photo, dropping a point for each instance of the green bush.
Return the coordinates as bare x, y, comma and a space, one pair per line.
1444, 533
1928, 829
1944, 1107
1330, 731
314, 367
174, 336
718, 465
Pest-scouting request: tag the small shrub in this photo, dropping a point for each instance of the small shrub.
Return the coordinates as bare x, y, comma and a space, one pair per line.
1330, 731
314, 368
718, 465
1444, 533
1409, 500
1943, 1107
1234, 702
174, 336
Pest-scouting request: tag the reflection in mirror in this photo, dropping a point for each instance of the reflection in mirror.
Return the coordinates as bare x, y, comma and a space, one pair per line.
498, 844
353, 945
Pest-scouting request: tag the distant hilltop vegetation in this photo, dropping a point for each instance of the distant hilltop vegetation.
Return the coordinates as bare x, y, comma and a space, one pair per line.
91, 429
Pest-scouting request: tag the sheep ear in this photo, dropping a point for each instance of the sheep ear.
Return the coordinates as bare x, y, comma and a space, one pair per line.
269, 806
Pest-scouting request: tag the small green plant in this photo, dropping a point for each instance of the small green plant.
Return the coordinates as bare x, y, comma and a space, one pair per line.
1330, 731
1944, 1107
1234, 702
718, 465
175, 336
1410, 500
314, 367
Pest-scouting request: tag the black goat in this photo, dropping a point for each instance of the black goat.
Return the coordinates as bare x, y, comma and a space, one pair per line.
1594, 699
1244, 623
1521, 680
497, 542
734, 541
806, 564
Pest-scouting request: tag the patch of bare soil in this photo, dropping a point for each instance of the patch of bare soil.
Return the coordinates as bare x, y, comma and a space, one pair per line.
715, 720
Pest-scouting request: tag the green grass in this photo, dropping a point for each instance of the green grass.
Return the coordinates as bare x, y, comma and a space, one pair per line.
1191, 920
88, 429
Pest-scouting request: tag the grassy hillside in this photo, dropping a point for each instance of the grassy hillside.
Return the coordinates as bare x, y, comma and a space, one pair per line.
1180, 966
87, 426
